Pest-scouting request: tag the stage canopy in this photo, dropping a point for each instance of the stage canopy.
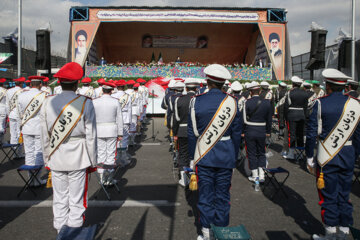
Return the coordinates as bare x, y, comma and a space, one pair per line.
196, 36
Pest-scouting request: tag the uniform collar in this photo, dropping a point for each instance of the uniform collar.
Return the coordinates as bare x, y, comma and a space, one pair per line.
215, 90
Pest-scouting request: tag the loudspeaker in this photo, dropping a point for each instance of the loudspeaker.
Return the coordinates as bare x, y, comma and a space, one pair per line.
11, 47
317, 52
43, 57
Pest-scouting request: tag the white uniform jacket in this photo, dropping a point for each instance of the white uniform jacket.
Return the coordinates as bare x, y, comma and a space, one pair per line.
135, 103
126, 110
98, 92
79, 150
32, 126
109, 120
9, 94
84, 90
3, 102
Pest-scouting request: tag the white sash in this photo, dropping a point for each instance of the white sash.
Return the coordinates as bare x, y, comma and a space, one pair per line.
13, 99
2, 93
124, 99
89, 92
216, 128
133, 96
340, 134
33, 107
268, 95
66, 122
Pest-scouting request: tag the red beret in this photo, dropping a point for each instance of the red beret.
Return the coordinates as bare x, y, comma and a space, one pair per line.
109, 84
136, 85
46, 79
70, 72
140, 80
28, 81
21, 79
2, 80
86, 80
121, 83
130, 82
101, 81
36, 78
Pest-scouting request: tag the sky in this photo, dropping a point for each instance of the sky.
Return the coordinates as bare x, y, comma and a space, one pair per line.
331, 14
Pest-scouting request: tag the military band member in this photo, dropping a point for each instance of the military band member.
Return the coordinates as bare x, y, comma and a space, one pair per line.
204, 88
266, 92
334, 123
178, 89
98, 90
246, 93
68, 136
13, 113
226, 86
216, 151
257, 117
280, 102
2, 110
140, 106
144, 91
109, 126
165, 102
180, 126
317, 89
27, 85
125, 102
236, 88
45, 87
86, 90
135, 113
351, 88
29, 103
295, 109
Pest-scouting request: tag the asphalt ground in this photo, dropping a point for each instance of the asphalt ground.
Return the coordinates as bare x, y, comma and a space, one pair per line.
151, 205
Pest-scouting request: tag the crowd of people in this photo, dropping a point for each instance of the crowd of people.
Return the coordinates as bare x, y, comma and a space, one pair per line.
73, 132
208, 120
77, 129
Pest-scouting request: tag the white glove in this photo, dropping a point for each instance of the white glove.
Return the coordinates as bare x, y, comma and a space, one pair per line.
192, 164
311, 162
311, 166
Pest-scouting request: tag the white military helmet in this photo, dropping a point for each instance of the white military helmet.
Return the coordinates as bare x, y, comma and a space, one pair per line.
192, 82
179, 85
171, 83
254, 85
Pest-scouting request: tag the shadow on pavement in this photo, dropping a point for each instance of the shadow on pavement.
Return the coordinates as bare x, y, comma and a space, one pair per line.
294, 207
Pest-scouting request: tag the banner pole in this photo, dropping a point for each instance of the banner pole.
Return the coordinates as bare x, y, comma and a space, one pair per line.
19, 38
353, 42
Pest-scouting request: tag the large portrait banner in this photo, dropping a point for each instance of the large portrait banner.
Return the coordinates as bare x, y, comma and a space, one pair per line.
274, 38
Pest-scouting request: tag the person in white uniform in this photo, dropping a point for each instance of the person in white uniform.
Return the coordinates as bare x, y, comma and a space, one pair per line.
13, 114
27, 85
2, 110
98, 90
125, 102
109, 123
58, 89
86, 90
135, 113
144, 91
29, 103
68, 136
45, 87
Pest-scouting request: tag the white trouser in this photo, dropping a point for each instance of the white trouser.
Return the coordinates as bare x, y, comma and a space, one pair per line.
133, 124
125, 139
106, 151
14, 131
69, 197
143, 114
33, 151
2, 123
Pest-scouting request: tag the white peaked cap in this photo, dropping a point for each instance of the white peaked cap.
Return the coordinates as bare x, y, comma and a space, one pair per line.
236, 86
217, 73
192, 82
335, 76
296, 79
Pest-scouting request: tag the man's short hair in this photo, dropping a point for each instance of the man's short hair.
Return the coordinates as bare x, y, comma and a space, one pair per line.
335, 87
273, 36
80, 32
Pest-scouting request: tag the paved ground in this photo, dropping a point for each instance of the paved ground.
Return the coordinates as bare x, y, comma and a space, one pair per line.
152, 206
